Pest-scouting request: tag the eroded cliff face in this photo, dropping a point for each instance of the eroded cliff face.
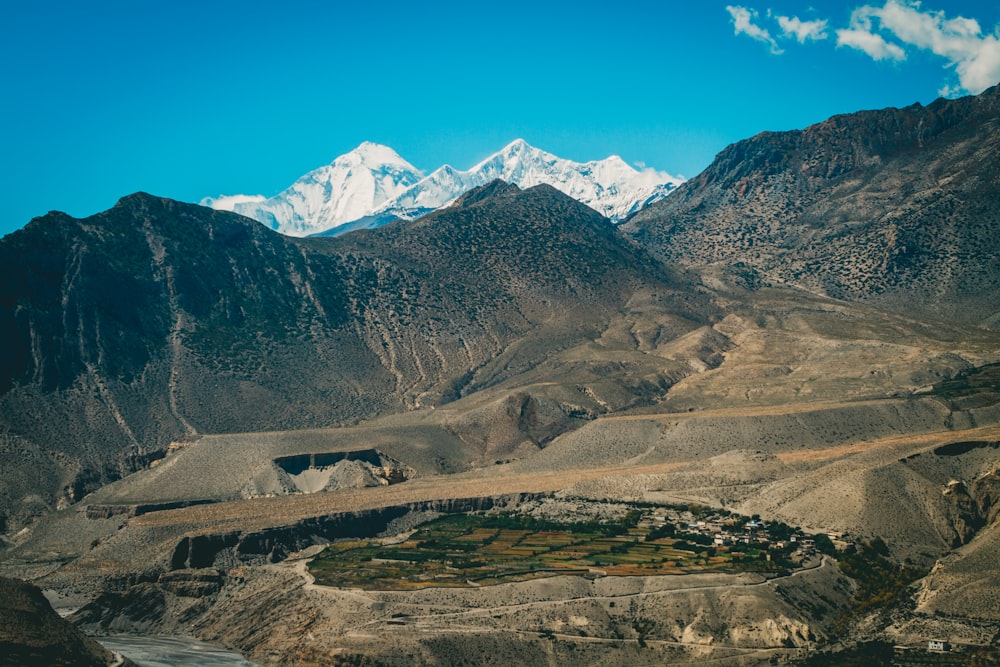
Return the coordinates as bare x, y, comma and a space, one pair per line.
275, 544
986, 493
964, 584
970, 485
975, 507
163, 606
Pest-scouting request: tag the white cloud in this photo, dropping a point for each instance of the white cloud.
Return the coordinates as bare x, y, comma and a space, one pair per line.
744, 23
981, 69
871, 43
974, 56
793, 26
949, 91
230, 202
890, 32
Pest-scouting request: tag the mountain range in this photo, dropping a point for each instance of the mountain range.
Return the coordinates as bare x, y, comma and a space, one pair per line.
806, 331
122, 330
154, 319
372, 185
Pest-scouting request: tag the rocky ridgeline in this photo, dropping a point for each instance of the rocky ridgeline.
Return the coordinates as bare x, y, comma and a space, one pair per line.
894, 207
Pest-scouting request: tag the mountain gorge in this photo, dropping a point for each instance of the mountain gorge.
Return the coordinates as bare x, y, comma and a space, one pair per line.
372, 186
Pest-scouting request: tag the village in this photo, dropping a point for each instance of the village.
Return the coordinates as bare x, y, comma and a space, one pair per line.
739, 534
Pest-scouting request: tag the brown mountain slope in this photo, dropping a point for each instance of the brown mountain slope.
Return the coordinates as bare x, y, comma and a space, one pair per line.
156, 319
898, 207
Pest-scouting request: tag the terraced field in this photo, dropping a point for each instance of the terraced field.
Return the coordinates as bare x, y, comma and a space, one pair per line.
476, 550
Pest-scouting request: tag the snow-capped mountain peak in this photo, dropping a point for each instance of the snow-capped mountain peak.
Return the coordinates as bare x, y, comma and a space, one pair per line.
609, 186
374, 156
372, 185
350, 187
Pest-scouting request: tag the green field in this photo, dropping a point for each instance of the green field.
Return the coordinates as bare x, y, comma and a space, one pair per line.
475, 550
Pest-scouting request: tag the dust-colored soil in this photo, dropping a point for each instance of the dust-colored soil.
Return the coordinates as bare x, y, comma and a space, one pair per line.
258, 513
906, 443
638, 620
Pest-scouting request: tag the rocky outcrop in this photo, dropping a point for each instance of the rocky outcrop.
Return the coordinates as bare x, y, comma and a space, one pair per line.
967, 520
974, 498
331, 471
107, 511
152, 607
986, 493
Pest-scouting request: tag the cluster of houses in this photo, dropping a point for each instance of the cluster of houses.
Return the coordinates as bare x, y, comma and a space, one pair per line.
730, 530
933, 646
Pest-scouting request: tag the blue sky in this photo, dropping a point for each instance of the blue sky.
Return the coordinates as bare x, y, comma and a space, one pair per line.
186, 100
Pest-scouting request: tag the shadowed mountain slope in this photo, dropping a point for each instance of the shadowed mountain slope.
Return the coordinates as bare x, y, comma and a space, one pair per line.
897, 207
31, 633
155, 320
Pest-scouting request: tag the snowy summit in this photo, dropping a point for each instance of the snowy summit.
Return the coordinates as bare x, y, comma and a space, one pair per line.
373, 185
351, 187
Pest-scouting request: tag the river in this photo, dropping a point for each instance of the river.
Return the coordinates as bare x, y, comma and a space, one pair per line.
173, 652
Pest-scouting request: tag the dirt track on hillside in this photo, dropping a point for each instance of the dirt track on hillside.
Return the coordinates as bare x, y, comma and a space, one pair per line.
259, 513
907, 442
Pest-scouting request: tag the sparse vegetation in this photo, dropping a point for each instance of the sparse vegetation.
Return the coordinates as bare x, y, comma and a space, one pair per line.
882, 583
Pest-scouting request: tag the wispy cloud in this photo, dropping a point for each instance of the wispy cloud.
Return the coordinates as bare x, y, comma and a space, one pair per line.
890, 32
863, 39
793, 26
744, 22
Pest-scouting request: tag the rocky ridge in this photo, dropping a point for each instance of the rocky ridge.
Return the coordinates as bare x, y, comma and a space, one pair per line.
894, 207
